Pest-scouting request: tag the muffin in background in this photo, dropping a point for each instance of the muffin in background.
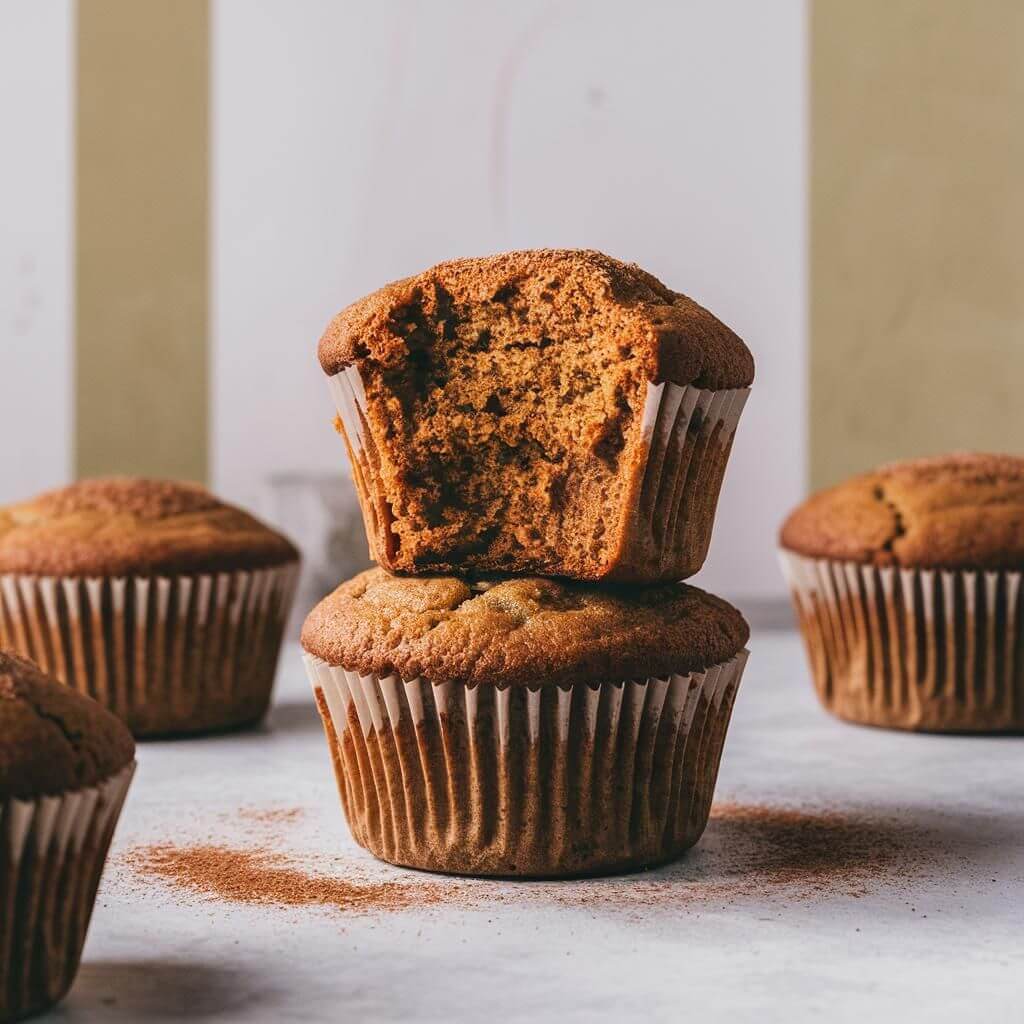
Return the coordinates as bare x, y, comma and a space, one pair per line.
65, 767
551, 412
524, 727
906, 582
164, 604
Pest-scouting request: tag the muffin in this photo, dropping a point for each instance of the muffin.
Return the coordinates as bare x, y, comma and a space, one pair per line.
553, 412
153, 597
906, 582
65, 766
523, 727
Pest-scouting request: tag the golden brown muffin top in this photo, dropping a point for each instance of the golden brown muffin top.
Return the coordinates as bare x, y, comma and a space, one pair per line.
52, 738
522, 631
679, 340
127, 525
950, 512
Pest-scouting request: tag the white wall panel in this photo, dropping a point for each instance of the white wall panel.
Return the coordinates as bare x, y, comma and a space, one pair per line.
358, 142
36, 245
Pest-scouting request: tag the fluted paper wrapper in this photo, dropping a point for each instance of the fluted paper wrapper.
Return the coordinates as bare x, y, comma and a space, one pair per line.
168, 655
526, 782
52, 852
933, 650
688, 433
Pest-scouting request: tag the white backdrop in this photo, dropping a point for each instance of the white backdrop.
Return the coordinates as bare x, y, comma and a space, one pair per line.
36, 245
359, 142
355, 142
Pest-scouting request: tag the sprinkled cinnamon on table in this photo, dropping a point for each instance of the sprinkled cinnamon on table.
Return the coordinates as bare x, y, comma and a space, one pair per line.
264, 877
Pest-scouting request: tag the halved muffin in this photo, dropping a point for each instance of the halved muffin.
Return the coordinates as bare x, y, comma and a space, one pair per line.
164, 604
906, 582
524, 727
65, 767
553, 412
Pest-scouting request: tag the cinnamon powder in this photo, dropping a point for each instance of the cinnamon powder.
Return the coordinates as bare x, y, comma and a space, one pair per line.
818, 850
753, 852
271, 815
262, 877
749, 852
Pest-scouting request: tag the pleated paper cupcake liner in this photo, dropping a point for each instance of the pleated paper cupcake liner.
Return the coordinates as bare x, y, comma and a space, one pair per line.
670, 514
52, 852
526, 782
168, 655
689, 433
933, 650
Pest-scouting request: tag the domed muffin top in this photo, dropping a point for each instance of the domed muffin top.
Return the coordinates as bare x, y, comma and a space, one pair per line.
52, 738
127, 525
950, 512
522, 631
549, 294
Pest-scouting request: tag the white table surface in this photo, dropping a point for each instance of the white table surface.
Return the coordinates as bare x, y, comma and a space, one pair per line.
943, 943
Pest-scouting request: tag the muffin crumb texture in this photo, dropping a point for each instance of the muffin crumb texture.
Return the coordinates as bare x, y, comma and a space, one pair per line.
950, 512
52, 739
521, 631
504, 400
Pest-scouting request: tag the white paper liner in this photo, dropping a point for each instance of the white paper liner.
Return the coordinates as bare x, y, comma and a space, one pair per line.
920, 649
688, 433
520, 781
52, 852
170, 654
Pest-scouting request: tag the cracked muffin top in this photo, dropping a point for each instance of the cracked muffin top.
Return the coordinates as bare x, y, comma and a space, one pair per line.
522, 631
550, 292
950, 512
130, 525
52, 738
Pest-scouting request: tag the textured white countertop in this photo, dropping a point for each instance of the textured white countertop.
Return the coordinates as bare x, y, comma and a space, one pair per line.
923, 920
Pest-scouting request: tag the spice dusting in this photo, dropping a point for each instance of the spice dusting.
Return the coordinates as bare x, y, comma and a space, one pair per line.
271, 815
754, 852
261, 877
749, 853
810, 850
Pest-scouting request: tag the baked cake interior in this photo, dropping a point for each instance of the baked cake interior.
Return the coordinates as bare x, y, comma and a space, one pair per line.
521, 408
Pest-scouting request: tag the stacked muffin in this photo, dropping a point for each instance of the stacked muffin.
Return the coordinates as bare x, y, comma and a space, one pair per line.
538, 440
